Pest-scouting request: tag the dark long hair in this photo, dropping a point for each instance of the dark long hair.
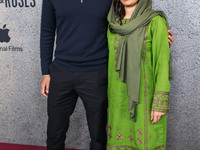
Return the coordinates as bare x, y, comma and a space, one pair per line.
119, 9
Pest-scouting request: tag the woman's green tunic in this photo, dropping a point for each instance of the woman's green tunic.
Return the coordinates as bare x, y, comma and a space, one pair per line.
123, 133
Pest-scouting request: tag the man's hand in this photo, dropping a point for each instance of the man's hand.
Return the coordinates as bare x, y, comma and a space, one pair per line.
45, 85
171, 39
155, 116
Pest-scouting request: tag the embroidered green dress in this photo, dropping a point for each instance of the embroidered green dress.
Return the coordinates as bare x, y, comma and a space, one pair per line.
123, 133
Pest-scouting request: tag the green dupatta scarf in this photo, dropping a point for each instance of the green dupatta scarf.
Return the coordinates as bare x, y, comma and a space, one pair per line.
130, 48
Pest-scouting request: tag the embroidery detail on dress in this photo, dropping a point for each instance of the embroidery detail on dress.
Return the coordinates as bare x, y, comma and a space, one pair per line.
149, 137
109, 135
116, 44
145, 94
159, 147
139, 140
139, 132
119, 137
160, 101
130, 138
109, 127
110, 147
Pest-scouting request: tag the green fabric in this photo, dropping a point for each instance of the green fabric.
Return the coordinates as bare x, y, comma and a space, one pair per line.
130, 47
123, 133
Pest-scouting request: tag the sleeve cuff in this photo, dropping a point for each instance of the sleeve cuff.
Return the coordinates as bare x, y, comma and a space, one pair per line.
45, 67
160, 101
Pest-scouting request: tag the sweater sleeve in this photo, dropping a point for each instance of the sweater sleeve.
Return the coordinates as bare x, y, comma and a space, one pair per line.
161, 56
47, 35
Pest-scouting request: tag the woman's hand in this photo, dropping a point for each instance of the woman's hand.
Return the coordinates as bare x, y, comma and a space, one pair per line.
155, 116
171, 39
45, 85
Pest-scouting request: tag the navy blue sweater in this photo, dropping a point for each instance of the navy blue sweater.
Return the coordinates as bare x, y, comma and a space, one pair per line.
80, 28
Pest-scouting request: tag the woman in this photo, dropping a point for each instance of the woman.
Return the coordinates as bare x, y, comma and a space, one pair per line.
139, 73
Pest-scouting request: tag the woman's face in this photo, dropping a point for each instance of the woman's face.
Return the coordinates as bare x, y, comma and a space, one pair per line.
129, 3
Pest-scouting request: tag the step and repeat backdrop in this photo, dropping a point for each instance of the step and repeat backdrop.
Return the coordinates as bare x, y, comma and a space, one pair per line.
23, 117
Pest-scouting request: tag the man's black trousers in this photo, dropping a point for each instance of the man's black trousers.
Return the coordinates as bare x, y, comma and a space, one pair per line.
65, 88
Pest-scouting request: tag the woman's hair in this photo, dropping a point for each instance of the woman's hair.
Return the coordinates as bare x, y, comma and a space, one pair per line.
119, 9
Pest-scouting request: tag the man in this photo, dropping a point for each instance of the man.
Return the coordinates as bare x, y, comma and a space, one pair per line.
79, 68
